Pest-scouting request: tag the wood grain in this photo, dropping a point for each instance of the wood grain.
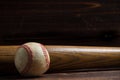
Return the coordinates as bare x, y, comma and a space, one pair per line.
65, 58
97, 75
7, 54
71, 22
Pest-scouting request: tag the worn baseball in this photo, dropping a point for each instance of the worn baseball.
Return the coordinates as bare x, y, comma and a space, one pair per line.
32, 59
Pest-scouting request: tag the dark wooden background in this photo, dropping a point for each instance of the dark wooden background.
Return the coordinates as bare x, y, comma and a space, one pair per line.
65, 22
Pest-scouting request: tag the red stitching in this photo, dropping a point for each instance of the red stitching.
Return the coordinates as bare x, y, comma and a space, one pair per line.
45, 52
30, 56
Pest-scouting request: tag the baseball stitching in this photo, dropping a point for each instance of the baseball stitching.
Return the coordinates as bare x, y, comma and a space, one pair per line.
46, 55
30, 56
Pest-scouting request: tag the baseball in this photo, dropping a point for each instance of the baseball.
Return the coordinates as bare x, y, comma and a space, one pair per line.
32, 59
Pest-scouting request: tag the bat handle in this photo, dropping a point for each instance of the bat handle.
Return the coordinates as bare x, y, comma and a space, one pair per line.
7, 54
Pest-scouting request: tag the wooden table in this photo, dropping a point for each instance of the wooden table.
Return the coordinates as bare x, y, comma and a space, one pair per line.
91, 75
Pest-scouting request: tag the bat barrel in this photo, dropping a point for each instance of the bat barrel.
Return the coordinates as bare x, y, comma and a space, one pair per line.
82, 57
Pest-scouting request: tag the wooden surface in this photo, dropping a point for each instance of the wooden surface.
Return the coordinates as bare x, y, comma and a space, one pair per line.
94, 75
72, 22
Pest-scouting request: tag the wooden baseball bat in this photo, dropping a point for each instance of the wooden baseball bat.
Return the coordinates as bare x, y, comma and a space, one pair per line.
67, 57
83, 57
7, 54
